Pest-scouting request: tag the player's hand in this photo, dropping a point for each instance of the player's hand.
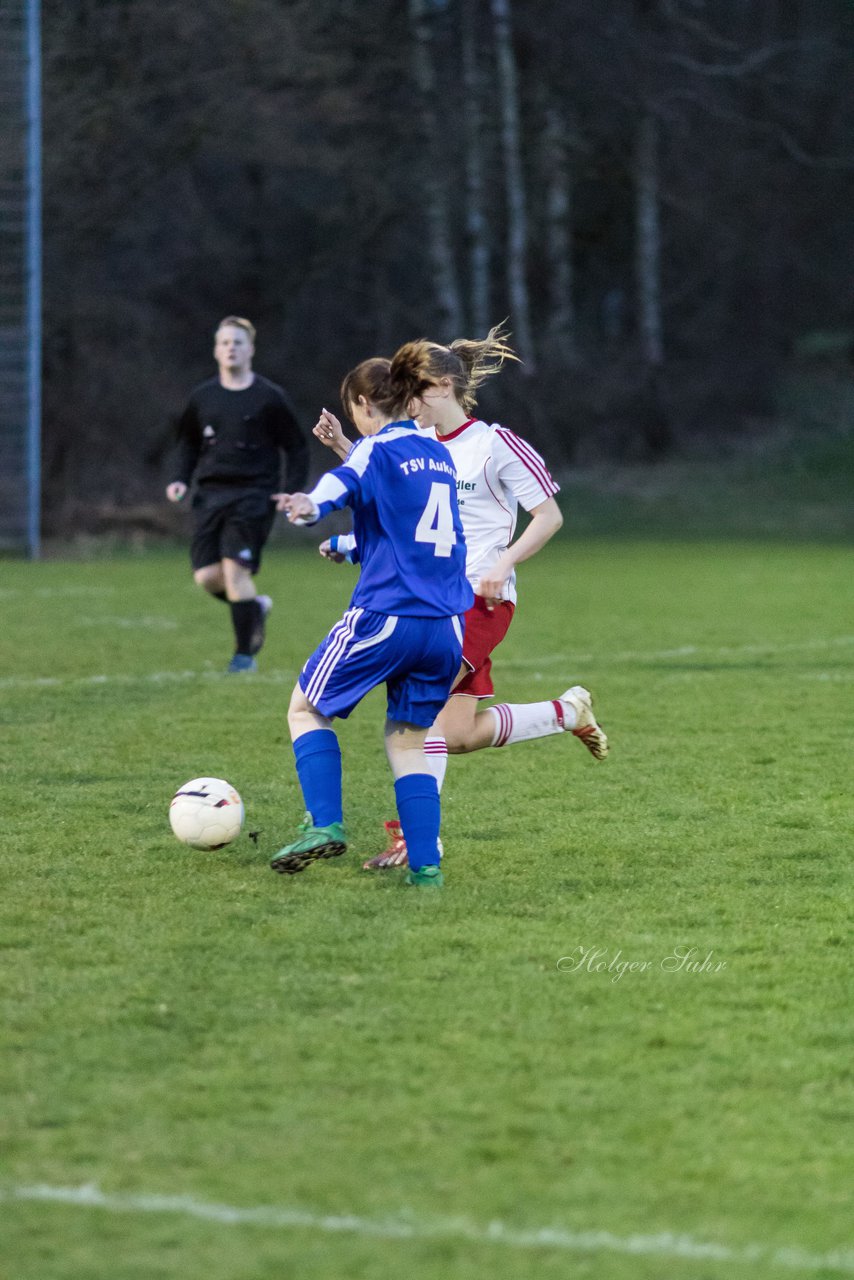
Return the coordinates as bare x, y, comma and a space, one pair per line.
176, 490
329, 431
490, 586
326, 551
298, 507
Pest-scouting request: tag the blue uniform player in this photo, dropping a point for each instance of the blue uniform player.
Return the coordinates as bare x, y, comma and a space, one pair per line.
404, 626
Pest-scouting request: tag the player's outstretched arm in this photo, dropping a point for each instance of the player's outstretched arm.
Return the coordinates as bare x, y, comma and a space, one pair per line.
333, 490
340, 547
298, 507
329, 431
545, 521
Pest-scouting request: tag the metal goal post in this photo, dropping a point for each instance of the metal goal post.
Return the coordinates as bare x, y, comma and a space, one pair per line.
20, 276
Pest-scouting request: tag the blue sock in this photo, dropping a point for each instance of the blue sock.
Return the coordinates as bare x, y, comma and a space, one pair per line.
318, 761
419, 808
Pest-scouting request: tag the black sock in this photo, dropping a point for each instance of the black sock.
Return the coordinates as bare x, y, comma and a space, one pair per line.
243, 619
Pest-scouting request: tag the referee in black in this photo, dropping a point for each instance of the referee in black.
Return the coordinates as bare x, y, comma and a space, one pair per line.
229, 438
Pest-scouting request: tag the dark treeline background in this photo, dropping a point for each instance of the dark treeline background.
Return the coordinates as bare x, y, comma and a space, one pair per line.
656, 193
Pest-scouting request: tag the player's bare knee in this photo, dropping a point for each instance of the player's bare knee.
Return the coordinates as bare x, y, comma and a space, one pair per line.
209, 578
298, 705
238, 579
303, 717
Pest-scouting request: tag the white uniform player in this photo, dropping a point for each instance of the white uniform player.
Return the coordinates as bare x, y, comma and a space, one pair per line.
497, 471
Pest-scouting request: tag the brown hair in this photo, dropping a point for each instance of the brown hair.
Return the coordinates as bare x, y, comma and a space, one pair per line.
368, 379
237, 322
467, 363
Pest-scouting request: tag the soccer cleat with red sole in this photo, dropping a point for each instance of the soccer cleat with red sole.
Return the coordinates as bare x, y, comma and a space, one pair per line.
395, 855
586, 728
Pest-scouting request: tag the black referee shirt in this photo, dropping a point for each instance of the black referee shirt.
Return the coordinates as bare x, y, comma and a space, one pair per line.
234, 438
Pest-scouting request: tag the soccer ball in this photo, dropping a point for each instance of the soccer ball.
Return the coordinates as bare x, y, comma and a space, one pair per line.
206, 813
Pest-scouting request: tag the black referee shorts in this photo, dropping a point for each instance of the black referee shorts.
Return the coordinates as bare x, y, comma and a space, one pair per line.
231, 524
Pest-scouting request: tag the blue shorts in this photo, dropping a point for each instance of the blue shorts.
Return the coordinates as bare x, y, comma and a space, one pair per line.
416, 658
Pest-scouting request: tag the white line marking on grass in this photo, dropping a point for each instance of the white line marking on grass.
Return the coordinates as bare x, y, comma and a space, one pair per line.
150, 677
683, 651
54, 593
145, 622
548, 660
406, 1227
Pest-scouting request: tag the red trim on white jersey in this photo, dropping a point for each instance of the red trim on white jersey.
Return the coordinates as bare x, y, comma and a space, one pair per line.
502, 505
451, 435
526, 455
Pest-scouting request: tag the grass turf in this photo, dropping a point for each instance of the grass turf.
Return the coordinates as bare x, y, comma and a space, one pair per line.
189, 1024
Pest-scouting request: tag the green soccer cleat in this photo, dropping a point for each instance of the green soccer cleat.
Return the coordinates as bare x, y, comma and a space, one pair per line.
426, 877
313, 843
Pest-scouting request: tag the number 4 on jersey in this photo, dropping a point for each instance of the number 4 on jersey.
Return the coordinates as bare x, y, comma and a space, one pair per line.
437, 521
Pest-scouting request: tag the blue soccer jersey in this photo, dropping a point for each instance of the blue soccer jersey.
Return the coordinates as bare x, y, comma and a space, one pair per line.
401, 486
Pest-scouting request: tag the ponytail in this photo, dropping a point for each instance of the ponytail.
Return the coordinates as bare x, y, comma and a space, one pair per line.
467, 363
481, 359
391, 385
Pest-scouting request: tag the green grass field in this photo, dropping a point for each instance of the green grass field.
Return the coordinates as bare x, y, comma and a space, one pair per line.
214, 1073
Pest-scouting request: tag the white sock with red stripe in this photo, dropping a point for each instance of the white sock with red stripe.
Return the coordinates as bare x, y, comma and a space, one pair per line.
520, 722
436, 752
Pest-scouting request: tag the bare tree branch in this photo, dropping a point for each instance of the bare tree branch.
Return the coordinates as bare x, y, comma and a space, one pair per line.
672, 11
735, 70
769, 128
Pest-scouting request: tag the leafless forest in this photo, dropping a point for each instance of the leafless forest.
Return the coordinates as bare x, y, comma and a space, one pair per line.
656, 193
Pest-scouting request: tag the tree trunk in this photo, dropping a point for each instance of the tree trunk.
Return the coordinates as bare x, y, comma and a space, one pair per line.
769, 252
477, 230
517, 217
558, 180
648, 243
440, 241
653, 423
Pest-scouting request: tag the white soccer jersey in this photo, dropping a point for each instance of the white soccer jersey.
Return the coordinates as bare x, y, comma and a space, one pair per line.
496, 471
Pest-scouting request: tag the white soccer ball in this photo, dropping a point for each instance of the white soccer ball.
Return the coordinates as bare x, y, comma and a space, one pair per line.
206, 813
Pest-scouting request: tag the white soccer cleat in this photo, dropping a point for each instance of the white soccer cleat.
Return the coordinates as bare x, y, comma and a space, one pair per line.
586, 729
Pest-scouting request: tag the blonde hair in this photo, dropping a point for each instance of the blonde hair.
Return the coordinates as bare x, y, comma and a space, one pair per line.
467, 363
237, 322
